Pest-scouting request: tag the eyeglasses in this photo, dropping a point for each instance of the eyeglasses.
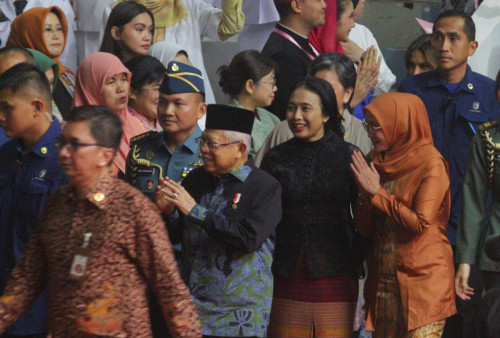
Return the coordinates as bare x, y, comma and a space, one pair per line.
371, 127
51, 31
272, 83
72, 146
212, 145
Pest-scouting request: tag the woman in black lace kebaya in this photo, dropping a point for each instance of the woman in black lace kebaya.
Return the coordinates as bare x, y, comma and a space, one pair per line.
318, 252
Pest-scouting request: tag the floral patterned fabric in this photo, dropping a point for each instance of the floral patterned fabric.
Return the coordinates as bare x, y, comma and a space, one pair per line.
228, 242
127, 250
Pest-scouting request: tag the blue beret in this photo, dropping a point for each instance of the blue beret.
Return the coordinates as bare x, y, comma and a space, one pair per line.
182, 78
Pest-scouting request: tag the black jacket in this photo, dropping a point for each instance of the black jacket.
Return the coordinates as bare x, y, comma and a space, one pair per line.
318, 189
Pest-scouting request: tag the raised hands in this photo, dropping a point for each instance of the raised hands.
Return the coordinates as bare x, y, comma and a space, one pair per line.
170, 195
367, 77
366, 176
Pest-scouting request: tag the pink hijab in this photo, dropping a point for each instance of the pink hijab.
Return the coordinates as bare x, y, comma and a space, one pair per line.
93, 72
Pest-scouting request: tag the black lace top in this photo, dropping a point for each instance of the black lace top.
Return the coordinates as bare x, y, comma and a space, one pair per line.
318, 189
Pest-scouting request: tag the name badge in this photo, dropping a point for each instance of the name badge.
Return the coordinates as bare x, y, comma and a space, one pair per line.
78, 266
145, 171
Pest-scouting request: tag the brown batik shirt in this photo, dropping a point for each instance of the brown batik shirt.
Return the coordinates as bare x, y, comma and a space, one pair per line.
127, 250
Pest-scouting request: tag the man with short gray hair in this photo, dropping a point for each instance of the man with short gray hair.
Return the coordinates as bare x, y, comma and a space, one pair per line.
226, 213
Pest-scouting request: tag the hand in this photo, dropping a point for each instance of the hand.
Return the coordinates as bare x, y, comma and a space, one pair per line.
352, 50
367, 77
162, 193
366, 176
172, 194
462, 288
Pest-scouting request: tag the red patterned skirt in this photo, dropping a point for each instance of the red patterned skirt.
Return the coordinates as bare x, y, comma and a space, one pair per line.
319, 307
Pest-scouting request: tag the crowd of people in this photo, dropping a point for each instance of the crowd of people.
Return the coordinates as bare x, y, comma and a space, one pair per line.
319, 202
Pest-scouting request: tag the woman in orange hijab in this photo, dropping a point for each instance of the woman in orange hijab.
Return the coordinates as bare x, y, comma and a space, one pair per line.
102, 79
46, 30
404, 206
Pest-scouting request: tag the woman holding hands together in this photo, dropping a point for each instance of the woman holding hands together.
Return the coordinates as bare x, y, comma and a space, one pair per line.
404, 206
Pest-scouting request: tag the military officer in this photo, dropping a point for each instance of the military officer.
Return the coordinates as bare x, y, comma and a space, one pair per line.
172, 152
482, 174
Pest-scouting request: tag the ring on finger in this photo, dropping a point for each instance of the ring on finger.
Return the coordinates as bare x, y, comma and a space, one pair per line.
174, 195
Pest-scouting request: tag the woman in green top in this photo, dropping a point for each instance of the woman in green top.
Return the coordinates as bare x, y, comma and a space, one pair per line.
249, 81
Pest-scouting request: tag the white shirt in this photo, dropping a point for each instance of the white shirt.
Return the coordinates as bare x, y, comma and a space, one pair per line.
68, 57
362, 36
486, 59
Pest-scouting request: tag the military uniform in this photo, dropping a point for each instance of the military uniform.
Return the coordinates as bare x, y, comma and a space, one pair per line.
482, 173
149, 159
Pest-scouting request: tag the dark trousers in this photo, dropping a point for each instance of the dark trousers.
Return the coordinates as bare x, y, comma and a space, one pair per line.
462, 325
491, 280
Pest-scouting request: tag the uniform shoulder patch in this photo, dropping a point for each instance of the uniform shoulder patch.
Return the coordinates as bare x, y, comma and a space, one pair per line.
488, 125
143, 136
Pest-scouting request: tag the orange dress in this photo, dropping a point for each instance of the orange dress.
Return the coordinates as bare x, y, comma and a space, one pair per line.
410, 266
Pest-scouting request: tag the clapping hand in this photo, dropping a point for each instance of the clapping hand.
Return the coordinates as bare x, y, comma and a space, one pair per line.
367, 177
170, 195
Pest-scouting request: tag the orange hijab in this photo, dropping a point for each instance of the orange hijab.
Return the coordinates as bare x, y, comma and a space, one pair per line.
93, 72
403, 119
26, 31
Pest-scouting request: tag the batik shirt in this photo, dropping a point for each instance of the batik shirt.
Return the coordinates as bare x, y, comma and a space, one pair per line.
127, 249
228, 242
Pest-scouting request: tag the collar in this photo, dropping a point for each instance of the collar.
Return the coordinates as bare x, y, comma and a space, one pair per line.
45, 144
467, 84
243, 171
101, 194
301, 39
190, 142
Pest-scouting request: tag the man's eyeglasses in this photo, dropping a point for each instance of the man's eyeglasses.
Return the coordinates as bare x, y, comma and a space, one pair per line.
371, 127
212, 145
72, 145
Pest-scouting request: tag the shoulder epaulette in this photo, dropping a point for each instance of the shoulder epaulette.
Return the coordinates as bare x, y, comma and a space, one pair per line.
142, 136
488, 125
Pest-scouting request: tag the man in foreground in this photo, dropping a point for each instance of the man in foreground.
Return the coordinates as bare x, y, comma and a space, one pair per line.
99, 243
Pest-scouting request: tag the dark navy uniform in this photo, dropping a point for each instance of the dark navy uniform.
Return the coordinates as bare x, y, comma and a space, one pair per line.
149, 159
454, 119
26, 180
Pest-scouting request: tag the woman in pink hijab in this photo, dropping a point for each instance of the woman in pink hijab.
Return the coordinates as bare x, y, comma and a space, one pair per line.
102, 79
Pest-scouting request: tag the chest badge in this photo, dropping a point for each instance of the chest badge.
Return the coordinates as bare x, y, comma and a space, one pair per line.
43, 150
99, 197
150, 184
475, 106
42, 173
236, 199
149, 154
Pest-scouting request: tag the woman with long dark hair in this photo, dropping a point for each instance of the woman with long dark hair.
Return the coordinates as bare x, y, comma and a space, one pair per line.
129, 31
317, 252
